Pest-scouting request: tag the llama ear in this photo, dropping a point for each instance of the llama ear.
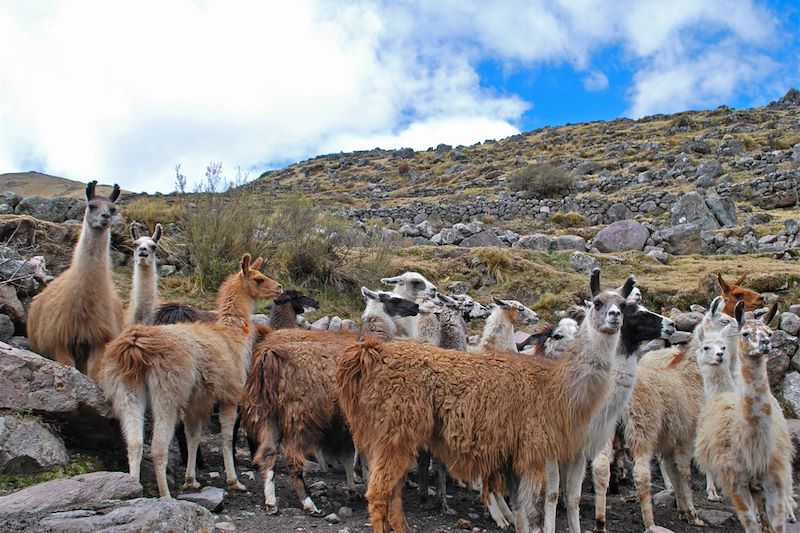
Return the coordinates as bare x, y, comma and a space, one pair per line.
157, 234
245, 264
739, 313
701, 333
257, 263
114, 193
741, 279
134, 231
722, 285
90, 190
773, 311
628, 286
446, 300
368, 294
594, 282
501, 303
716, 306
391, 281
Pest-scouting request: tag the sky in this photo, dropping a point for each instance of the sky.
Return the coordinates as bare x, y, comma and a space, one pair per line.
124, 91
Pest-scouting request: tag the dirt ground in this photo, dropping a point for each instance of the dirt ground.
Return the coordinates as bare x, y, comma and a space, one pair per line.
246, 510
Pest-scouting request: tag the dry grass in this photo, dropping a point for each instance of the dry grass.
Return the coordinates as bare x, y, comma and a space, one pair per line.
151, 210
47, 186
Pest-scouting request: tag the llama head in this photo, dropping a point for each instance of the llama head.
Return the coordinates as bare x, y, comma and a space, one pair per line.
144, 246
100, 210
639, 324
605, 309
393, 305
556, 338
470, 309
517, 313
300, 302
755, 337
733, 293
256, 284
713, 346
411, 286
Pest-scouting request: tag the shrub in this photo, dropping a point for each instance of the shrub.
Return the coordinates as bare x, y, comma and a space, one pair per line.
546, 302
403, 169
567, 220
498, 263
150, 210
541, 181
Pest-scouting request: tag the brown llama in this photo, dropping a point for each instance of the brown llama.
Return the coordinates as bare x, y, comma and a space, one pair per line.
74, 317
182, 370
734, 293
498, 332
144, 290
743, 440
287, 307
480, 414
289, 402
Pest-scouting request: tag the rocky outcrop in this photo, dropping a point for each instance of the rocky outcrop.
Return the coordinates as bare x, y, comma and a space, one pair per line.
27, 447
58, 209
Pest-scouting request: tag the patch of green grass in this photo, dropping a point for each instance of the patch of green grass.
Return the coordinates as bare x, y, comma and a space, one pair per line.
78, 464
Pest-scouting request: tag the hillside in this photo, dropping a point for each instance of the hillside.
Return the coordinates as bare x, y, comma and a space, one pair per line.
44, 185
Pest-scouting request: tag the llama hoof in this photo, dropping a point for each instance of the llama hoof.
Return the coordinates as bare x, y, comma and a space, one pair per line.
235, 485
354, 495
692, 519
600, 527
271, 509
358, 479
191, 484
449, 511
714, 497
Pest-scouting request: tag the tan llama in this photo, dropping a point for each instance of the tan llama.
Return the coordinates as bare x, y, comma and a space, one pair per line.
144, 290
743, 439
79, 312
182, 370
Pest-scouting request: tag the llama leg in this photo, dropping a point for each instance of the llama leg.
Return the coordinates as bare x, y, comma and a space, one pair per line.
683, 464
601, 475
63, 356
423, 464
320, 457
264, 459
441, 472
295, 461
130, 406
537, 512
397, 518
193, 429
350, 474
493, 506
665, 475
523, 503
227, 418
387, 471
745, 508
551, 494
575, 473
711, 490
775, 504
164, 418
641, 478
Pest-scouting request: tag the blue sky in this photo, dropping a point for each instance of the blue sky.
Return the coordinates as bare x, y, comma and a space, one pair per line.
123, 92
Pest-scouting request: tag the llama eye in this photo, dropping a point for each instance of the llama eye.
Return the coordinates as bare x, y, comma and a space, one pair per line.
259, 281
739, 296
92, 207
597, 305
558, 337
705, 348
745, 334
112, 209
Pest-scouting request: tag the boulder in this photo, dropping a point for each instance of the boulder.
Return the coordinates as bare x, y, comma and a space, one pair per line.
714, 517
321, 323
60, 394
583, 262
569, 242
790, 323
791, 390
424, 229
57, 209
6, 328
535, 241
483, 239
691, 208
659, 255
618, 211
684, 239
621, 236
724, 209
10, 199
687, 321
711, 168
72, 492
28, 275
335, 323
142, 515
12, 307
794, 433
209, 497
27, 447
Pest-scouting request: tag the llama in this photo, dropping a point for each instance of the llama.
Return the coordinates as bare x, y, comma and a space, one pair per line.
638, 325
74, 317
411, 286
661, 418
184, 369
177, 313
144, 291
429, 325
743, 439
289, 400
480, 414
734, 293
551, 341
287, 307
498, 333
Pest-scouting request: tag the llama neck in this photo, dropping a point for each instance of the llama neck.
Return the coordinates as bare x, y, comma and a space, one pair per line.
498, 333
234, 305
144, 293
754, 393
732, 347
377, 322
454, 329
717, 379
92, 252
283, 316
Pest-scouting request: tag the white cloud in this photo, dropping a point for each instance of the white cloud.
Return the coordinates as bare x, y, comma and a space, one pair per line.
116, 91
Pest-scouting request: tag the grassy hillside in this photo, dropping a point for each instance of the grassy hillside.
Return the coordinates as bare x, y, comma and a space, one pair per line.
45, 185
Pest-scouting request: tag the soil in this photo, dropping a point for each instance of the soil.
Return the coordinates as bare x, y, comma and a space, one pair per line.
246, 510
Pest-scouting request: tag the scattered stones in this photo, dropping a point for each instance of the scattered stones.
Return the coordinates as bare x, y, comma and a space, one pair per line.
26, 447
209, 497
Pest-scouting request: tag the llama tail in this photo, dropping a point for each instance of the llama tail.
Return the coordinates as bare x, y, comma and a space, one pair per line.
131, 356
260, 392
353, 365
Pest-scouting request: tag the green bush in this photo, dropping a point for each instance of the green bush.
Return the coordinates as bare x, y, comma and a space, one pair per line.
541, 181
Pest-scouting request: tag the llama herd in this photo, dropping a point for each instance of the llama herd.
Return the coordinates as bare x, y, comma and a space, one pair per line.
519, 423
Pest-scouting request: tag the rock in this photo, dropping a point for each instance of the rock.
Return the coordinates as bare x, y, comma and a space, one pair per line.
167, 270
795, 309
28, 275
791, 226
586, 167
458, 287
321, 324
583, 262
27, 447
335, 324
407, 230
711, 169
535, 241
448, 236
658, 529
419, 218
10, 199
687, 321
463, 523
784, 347
209, 497
714, 517
224, 526
658, 255
665, 498
424, 229
348, 325
618, 211
483, 239
691, 208
791, 390
139, 515
684, 239
332, 519
12, 307
60, 494
6, 328
345, 512
59, 394
680, 337
520, 336
724, 210
58, 209
569, 242
794, 433
621, 236
790, 323
20, 342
